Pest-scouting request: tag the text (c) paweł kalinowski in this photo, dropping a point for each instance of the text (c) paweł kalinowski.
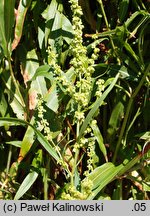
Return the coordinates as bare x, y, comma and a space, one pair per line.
61, 207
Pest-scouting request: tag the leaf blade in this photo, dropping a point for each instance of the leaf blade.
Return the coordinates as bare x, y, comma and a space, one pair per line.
40, 137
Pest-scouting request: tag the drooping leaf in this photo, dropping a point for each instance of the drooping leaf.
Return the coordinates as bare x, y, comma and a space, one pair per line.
43, 141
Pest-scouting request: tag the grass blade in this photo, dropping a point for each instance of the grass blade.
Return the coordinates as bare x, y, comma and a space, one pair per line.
99, 139
26, 184
40, 137
101, 176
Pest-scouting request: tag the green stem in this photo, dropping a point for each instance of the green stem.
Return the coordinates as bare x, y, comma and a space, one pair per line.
45, 178
9, 160
104, 14
120, 191
45, 185
107, 27
76, 157
128, 112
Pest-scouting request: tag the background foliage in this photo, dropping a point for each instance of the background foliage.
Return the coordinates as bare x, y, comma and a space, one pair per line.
74, 99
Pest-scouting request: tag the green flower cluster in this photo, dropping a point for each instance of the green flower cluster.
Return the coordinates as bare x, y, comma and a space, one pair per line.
52, 61
81, 63
43, 123
71, 193
60, 76
90, 154
100, 87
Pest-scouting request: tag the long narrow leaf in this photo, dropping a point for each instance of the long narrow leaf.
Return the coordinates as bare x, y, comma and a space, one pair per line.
3, 42
40, 137
129, 165
21, 13
26, 184
103, 175
31, 177
99, 139
9, 18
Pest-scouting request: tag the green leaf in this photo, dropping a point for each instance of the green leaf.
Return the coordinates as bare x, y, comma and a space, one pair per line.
123, 10
15, 143
45, 71
49, 15
50, 11
62, 27
32, 64
28, 140
57, 24
144, 135
15, 100
9, 17
31, 177
97, 104
51, 98
26, 184
99, 139
131, 52
43, 141
102, 176
3, 42
127, 165
146, 186
41, 37
3, 103
115, 119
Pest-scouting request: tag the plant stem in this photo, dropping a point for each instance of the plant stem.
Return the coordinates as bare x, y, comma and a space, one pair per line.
45, 178
120, 191
76, 157
104, 14
128, 112
9, 159
107, 27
